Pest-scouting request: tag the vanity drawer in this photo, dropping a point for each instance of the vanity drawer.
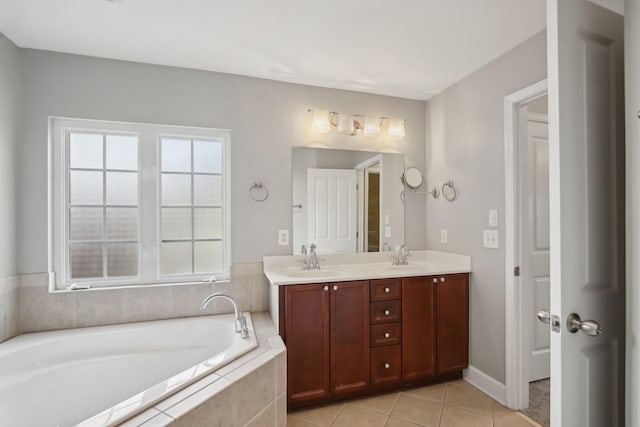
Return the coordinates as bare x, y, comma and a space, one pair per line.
386, 334
385, 289
385, 365
385, 311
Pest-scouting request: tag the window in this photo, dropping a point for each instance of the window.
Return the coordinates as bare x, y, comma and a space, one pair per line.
138, 203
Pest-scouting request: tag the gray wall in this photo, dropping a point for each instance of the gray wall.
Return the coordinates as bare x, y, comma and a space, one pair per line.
9, 107
465, 143
266, 118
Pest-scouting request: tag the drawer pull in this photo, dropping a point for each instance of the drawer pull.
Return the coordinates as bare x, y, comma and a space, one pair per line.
387, 335
435, 280
335, 287
387, 312
326, 288
442, 279
386, 366
387, 290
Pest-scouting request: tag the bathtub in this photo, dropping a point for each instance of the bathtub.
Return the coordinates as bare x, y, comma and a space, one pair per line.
101, 376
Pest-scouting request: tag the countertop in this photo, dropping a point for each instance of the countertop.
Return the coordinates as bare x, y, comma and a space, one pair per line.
287, 270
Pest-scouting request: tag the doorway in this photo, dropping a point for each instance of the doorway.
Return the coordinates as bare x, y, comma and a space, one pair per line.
527, 263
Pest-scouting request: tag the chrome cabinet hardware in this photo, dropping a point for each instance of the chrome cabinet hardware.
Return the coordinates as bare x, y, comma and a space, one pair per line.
442, 279
387, 312
386, 366
387, 290
387, 335
435, 280
335, 287
326, 288
589, 327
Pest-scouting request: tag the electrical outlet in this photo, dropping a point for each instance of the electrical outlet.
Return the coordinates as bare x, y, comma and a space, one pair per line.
283, 237
493, 218
444, 238
491, 239
387, 232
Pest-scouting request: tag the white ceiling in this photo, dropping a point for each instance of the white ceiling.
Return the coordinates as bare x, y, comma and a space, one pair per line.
405, 48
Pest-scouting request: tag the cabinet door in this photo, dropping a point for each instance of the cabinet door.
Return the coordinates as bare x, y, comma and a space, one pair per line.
350, 333
307, 340
418, 328
453, 322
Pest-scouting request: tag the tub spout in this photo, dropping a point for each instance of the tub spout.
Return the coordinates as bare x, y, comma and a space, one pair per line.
241, 321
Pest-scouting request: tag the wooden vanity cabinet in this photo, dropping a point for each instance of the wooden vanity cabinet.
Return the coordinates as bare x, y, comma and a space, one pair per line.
418, 328
348, 339
452, 347
327, 334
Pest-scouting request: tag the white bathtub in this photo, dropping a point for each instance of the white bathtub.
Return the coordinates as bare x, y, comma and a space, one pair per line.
103, 375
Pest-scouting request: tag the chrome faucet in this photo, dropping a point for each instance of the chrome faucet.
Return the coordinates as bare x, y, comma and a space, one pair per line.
311, 262
401, 256
241, 321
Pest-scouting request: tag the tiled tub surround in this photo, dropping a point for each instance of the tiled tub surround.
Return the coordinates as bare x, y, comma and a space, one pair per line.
41, 310
9, 307
250, 391
115, 371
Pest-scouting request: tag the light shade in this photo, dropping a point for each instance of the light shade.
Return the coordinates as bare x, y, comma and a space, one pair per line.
371, 126
396, 128
345, 123
321, 122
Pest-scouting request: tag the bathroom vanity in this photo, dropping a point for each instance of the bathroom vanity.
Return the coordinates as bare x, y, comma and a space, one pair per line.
361, 325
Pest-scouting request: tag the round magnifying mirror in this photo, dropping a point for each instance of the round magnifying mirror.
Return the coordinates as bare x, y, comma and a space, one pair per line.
412, 177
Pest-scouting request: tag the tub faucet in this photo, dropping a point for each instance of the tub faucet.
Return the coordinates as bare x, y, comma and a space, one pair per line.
401, 256
241, 321
311, 262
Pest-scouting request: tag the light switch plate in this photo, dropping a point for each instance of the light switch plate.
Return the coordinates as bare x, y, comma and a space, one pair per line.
491, 239
283, 237
444, 238
493, 218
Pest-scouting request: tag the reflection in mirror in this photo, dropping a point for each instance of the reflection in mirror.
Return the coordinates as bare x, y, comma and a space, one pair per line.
347, 201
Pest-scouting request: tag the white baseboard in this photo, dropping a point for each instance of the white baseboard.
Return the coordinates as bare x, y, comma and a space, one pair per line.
486, 384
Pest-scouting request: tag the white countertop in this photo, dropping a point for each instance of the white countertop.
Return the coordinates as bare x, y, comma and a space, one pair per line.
287, 270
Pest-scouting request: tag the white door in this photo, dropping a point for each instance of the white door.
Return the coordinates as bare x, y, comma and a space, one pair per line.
586, 143
535, 238
332, 201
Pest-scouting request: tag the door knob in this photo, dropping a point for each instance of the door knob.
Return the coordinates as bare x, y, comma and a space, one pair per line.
589, 327
544, 316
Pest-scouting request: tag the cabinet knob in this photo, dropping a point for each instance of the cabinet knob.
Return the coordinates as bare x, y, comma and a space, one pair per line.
335, 287
387, 290
326, 288
435, 280
387, 335
442, 279
386, 366
387, 312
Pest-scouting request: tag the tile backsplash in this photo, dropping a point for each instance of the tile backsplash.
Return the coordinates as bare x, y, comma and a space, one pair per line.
40, 310
9, 307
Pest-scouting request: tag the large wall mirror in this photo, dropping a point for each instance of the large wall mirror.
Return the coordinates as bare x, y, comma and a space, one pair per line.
347, 201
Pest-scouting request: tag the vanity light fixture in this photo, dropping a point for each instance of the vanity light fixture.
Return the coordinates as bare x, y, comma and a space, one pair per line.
323, 120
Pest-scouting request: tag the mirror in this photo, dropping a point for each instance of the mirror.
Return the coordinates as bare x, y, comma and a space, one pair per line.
412, 177
347, 201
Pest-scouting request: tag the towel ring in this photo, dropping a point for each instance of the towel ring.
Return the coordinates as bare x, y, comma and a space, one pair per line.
449, 191
256, 189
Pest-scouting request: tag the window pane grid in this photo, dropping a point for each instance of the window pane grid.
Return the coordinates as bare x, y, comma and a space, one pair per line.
190, 254
118, 257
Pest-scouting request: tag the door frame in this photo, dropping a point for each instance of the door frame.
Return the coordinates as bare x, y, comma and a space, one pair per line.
363, 206
516, 330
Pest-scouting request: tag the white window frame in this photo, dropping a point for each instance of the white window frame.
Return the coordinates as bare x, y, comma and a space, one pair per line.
149, 201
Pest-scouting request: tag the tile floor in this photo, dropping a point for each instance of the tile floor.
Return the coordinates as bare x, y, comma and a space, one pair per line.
453, 404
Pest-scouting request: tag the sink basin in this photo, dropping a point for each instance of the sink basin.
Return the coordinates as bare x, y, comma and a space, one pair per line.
313, 273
